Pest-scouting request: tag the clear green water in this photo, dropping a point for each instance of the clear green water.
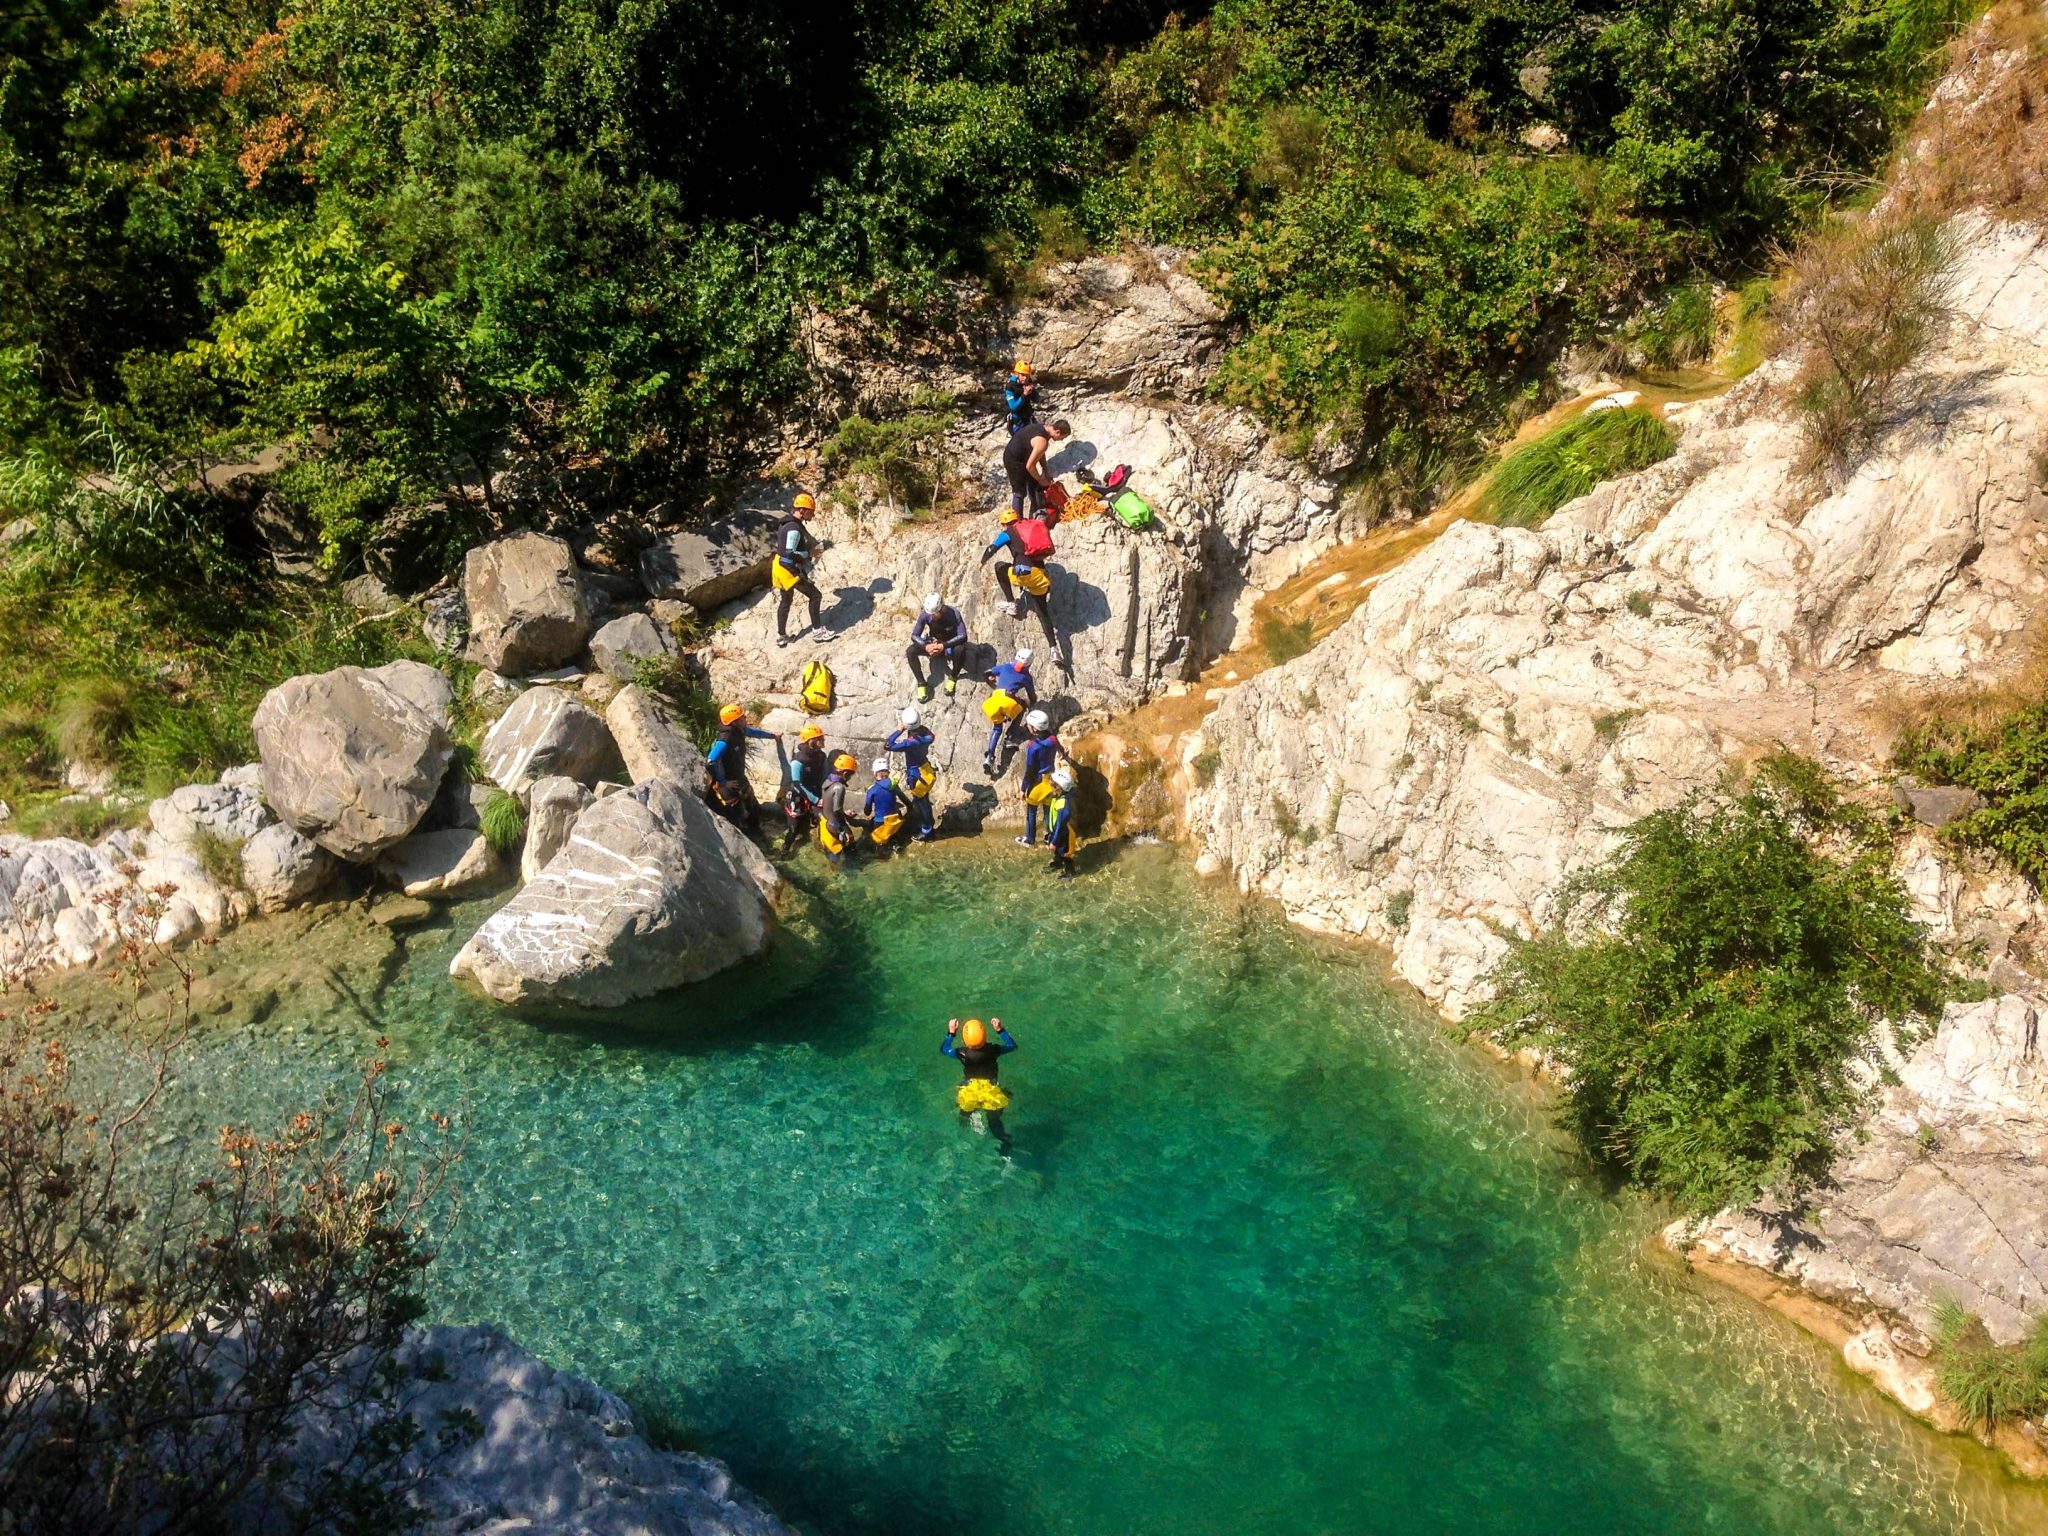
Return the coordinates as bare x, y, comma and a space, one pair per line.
1275, 1253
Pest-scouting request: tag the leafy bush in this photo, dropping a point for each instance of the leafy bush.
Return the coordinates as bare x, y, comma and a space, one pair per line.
1865, 305
502, 822
680, 683
220, 857
1567, 462
1679, 331
1988, 1383
899, 457
2005, 759
1715, 989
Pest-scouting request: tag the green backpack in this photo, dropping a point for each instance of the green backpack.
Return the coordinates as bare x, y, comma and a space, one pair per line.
1132, 510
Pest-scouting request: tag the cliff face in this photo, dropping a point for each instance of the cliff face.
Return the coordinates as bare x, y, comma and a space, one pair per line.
1429, 775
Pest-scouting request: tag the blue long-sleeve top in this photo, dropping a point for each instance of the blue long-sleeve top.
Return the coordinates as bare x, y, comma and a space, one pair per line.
914, 742
884, 799
1004, 538
946, 626
1062, 808
1019, 399
725, 747
1041, 755
999, 1041
1016, 681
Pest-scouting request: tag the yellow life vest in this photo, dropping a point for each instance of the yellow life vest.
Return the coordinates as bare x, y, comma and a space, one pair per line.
782, 576
886, 828
1001, 708
919, 784
1032, 579
827, 841
816, 688
1041, 792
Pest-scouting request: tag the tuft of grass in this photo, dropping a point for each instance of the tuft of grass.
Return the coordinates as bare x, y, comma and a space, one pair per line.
1866, 303
85, 821
92, 718
1988, 1382
1608, 727
1564, 464
1679, 332
1638, 603
1397, 908
678, 680
220, 857
1285, 822
502, 822
1283, 641
1206, 763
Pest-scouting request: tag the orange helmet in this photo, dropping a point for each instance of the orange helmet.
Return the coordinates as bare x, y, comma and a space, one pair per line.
731, 715
811, 732
1023, 368
845, 762
972, 1034
804, 503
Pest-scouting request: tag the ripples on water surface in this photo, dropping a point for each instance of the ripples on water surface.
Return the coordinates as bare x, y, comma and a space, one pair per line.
1276, 1254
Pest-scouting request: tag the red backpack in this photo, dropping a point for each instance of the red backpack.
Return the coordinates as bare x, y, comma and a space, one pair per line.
1033, 538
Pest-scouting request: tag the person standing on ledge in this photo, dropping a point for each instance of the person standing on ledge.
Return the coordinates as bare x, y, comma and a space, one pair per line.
978, 1049
1024, 462
1020, 394
790, 572
938, 642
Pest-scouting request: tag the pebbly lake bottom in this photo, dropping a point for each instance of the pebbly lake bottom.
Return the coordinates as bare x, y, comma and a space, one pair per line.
1275, 1251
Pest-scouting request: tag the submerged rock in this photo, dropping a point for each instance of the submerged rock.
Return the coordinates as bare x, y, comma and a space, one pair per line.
442, 866
646, 895
354, 757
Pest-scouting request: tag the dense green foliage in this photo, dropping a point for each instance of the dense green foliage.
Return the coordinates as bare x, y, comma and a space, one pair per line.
1568, 461
1714, 989
2006, 761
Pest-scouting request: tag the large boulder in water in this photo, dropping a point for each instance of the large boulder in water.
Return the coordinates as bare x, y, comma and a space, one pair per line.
646, 895
651, 741
710, 566
281, 868
527, 608
352, 758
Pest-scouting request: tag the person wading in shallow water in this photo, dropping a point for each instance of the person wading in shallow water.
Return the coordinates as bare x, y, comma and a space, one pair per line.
978, 1049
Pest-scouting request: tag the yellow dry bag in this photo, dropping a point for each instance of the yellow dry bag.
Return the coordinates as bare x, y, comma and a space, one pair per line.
817, 687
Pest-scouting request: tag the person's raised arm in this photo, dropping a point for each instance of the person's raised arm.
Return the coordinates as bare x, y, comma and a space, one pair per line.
1003, 1041
946, 1046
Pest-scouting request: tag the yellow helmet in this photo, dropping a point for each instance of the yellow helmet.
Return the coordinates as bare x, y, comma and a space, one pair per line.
972, 1034
811, 732
1023, 368
1007, 516
804, 502
845, 762
731, 714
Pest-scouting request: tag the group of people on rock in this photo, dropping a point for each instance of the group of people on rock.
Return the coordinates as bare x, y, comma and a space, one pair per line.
819, 798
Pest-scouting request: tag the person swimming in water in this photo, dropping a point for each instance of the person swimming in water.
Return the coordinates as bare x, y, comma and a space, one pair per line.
979, 1048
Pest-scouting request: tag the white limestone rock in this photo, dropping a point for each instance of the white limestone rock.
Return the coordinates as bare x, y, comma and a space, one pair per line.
547, 732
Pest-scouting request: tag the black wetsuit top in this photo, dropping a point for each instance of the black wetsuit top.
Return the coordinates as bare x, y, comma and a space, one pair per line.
811, 759
978, 1060
1017, 452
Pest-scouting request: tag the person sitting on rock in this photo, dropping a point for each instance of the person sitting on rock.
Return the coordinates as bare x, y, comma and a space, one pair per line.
1012, 690
938, 643
790, 571
1020, 394
1021, 579
979, 1049
915, 742
885, 808
808, 767
835, 833
729, 791
1024, 462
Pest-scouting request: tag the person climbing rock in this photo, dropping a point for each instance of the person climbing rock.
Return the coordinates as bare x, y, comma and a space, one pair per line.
1042, 754
1024, 461
1012, 690
1059, 813
1022, 578
885, 808
835, 832
979, 1049
915, 742
729, 791
796, 550
938, 645
808, 767
1020, 394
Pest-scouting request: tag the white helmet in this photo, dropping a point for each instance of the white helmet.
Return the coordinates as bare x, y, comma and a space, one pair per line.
1062, 779
1023, 658
910, 714
1038, 720
881, 766
933, 602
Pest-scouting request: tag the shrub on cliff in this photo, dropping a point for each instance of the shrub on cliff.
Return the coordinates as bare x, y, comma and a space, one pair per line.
167, 1322
1716, 988
2002, 753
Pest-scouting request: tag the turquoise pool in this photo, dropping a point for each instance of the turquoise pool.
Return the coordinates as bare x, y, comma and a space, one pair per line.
1275, 1253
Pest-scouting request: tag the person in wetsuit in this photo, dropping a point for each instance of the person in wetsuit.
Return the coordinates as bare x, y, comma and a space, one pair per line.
1042, 754
790, 571
885, 808
1012, 691
915, 742
1020, 395
729, 792
835, 834
801, 796
938, 644
1024, 462
1022, 580
979, 1049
